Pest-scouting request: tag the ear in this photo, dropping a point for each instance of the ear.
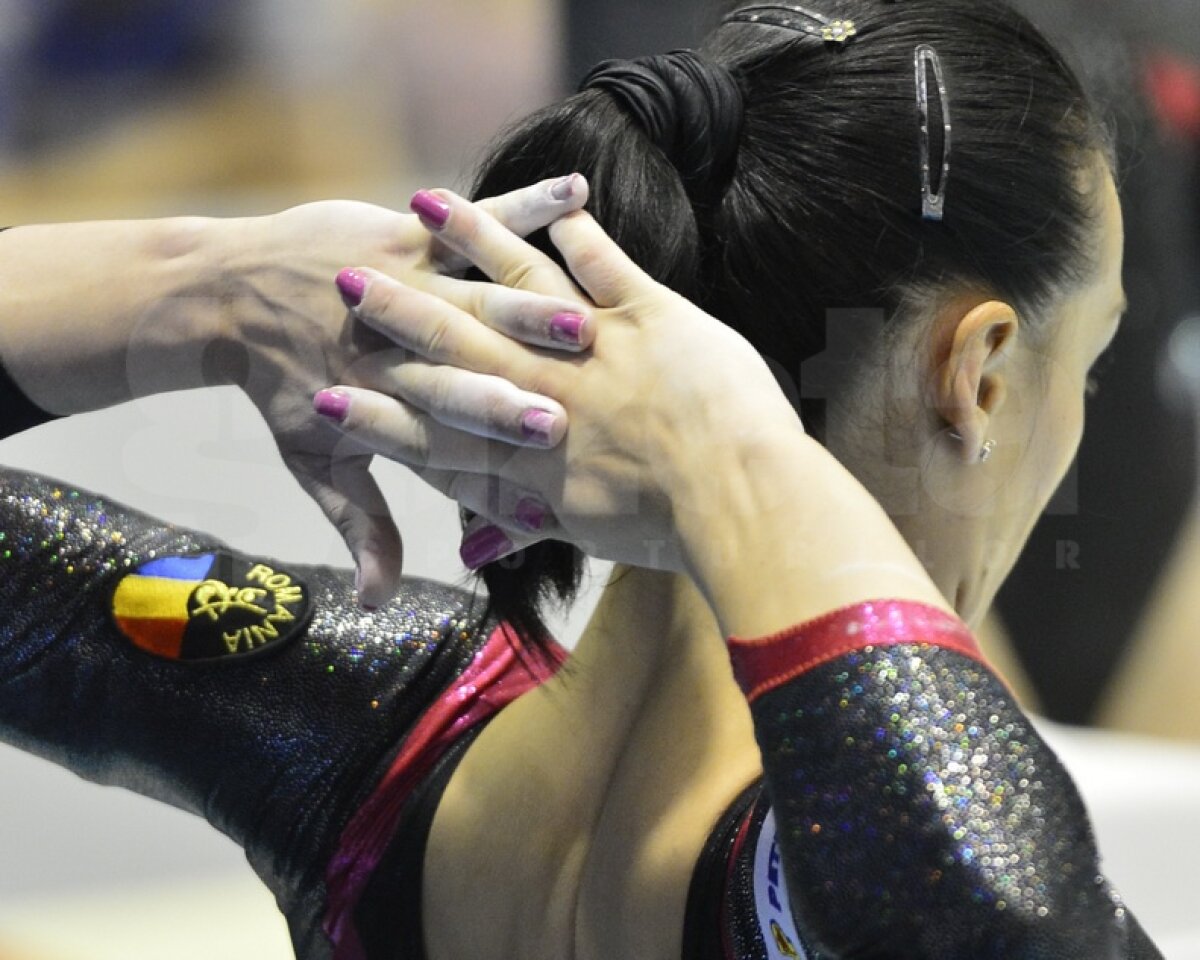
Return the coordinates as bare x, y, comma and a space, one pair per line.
970, 383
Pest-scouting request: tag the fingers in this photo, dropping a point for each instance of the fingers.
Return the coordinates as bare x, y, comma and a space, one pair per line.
480, 404
531, 208
508, 518
351, 499
552, 323
549, 322
437, 330
521, 211
486, 542
601, 267
477, 236
376, 423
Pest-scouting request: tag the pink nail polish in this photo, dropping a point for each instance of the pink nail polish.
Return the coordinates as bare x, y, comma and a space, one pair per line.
432, 209
352, 285
563, 189
531, 514
538, 426
484, 546
332, 404
566, 328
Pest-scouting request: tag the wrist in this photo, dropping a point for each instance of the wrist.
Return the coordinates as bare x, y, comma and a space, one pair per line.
779, 533
727, 502
211, 259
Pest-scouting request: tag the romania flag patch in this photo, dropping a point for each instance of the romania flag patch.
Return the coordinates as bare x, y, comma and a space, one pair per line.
209, 607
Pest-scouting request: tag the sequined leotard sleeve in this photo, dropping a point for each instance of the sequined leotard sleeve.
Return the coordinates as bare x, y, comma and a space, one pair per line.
251, 692
916, 812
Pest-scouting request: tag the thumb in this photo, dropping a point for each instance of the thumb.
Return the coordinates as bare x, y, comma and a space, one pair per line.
350, 498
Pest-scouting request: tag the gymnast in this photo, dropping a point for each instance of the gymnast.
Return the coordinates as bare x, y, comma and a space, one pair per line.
436, 778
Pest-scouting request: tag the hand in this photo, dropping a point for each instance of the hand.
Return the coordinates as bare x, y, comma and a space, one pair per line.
287, 334
665, 398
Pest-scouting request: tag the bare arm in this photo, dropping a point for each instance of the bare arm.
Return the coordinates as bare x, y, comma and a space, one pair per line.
92, 314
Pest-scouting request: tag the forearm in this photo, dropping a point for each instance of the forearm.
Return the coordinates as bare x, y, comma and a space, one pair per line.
93, 314
766, 558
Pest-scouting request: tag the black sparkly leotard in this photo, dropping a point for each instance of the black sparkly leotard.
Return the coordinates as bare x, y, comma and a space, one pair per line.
276, 740
908, 810
914, 812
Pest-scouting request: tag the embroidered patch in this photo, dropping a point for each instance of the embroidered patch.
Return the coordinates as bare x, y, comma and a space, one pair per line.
209, 607
771, 897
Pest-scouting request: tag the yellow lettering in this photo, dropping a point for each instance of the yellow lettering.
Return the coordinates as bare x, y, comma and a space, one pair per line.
260, 572
216, 598
289, 595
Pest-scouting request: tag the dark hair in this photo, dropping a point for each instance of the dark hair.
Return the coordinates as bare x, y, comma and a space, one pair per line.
824, 207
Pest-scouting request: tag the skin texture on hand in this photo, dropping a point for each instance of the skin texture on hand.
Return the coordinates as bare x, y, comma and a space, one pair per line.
682, 453
99, 313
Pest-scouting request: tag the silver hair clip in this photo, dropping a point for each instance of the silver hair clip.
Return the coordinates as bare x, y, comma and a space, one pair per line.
933, 202
794, 17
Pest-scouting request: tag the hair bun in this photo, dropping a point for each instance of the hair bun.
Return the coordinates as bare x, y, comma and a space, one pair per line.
689, 106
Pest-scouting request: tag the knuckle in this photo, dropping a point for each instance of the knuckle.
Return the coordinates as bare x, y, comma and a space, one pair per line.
417, 444
435, 342
521, 274
440, 392
479, 303
342, 516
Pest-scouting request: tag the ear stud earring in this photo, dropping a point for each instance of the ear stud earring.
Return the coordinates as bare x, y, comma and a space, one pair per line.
985, 452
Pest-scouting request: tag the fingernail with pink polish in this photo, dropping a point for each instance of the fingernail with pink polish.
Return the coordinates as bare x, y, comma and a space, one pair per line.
352, 285
563, 189
483, 546
432, 209
567, 328
332, 404
531, 514
538, 426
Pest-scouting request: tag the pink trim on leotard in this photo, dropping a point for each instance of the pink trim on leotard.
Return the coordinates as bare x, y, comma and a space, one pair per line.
501, 671
762, 665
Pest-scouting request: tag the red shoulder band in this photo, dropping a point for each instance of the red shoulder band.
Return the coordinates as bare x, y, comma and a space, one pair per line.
763, 664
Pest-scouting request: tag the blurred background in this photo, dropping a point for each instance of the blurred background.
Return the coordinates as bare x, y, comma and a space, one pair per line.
133, 108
